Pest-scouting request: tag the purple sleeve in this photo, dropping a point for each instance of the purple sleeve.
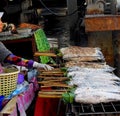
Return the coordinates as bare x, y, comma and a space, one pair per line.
13, 59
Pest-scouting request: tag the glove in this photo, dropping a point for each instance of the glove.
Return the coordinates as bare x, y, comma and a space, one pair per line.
39, 65
21, 68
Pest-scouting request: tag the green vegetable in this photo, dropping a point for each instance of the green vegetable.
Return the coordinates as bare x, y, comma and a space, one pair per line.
72, 95
65, 74
59, 54
56, 50
52, 61
65, 97
64, 69
68, 97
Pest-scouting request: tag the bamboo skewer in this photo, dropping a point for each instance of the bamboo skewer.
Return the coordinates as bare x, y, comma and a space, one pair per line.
50, 94
54, 90
53, 79
45, 54
55, 85
47, 82
59, 79
57, 75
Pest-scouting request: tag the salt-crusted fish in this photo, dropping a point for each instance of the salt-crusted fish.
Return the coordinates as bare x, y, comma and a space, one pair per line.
83, 53
90, 96
105, 68
95, 86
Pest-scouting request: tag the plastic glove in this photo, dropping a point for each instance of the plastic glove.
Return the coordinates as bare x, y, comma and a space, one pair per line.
21, 68
39, 65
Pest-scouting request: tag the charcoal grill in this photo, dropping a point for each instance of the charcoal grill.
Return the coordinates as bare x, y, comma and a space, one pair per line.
102, 109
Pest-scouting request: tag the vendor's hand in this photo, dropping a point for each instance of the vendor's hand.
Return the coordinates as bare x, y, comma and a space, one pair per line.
39, 65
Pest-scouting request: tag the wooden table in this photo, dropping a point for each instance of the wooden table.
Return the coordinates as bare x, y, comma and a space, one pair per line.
102, 23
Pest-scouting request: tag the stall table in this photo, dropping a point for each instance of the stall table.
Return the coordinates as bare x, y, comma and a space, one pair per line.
94, 23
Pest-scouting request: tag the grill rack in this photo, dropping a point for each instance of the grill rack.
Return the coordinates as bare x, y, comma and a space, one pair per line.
104, 109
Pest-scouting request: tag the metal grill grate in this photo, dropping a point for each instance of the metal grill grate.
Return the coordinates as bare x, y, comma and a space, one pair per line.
96, 109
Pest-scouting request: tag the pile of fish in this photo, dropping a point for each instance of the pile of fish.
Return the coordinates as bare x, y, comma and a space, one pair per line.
94, 80
76, 53
94, 85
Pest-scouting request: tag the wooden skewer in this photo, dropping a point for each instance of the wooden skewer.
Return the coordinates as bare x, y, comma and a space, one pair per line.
51, 92
45, 54
53, 78
50, 74
57, 78
55, 85
49, 96
45, 82
55, 69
